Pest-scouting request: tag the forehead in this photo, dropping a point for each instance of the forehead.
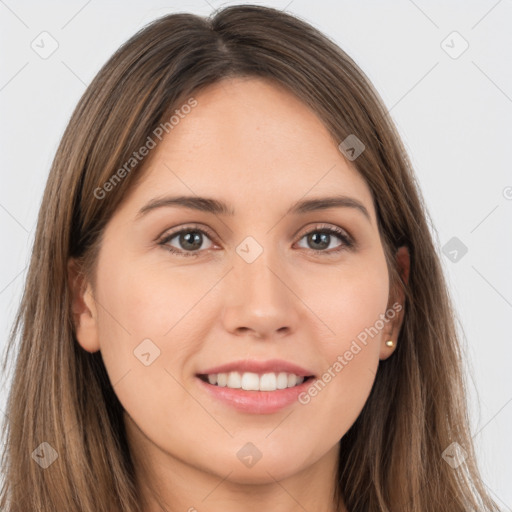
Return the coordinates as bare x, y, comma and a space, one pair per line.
250, 142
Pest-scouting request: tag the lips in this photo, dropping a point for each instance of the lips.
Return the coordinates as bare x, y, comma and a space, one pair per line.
259, 367
255, 402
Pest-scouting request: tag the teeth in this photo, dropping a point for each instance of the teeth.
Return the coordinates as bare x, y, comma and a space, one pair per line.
222, 379
250, 381
268, 382
234, 380
282, 381
253, 382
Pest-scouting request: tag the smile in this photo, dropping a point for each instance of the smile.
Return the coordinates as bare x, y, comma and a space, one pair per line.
254, 401
250, 381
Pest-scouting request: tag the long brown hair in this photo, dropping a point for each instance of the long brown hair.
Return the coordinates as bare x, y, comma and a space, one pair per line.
391, 458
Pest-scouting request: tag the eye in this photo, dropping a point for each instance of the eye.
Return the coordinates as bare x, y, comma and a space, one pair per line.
321, 237
190, 238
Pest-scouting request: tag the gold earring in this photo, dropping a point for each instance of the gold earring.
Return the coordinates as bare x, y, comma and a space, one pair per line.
390, 343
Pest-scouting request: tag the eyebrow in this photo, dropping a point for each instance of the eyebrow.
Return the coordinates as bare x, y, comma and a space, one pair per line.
216, 207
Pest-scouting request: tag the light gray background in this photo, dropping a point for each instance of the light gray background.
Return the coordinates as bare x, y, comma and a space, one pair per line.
454, 115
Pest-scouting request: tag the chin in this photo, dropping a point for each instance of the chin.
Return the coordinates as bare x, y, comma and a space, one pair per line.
259, 474
266, 470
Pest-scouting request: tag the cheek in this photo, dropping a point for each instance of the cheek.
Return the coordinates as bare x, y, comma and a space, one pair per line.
349, 300
148, 330
151, 326
352, 306
145, 301
336, 398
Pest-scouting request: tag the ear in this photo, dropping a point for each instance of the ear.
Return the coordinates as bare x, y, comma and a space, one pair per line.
83, 308
396, 309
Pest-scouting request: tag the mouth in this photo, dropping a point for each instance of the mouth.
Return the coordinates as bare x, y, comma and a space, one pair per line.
255, 393
251, 381
256, 386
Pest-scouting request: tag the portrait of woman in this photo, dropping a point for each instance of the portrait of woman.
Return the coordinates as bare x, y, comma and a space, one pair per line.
234, 301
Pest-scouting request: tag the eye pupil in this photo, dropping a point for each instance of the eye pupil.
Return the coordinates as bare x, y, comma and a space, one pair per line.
322, 238
195, 236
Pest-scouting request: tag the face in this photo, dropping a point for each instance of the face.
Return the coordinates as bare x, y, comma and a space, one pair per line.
263, 287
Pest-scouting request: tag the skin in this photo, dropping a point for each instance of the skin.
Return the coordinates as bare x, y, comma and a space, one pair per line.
255, 146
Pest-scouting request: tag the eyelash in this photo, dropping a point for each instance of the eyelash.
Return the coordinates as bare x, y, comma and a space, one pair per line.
347, 244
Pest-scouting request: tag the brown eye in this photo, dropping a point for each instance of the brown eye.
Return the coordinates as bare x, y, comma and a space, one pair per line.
189, 241
321, 238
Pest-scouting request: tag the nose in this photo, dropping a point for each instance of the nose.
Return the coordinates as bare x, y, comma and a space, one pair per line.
259, 299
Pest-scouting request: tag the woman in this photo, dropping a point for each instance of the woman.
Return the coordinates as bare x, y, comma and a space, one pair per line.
234, 300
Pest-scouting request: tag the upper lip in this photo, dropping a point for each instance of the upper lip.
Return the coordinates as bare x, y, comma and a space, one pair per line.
268, 366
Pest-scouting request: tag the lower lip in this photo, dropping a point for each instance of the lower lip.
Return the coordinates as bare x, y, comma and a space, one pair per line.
256, 402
